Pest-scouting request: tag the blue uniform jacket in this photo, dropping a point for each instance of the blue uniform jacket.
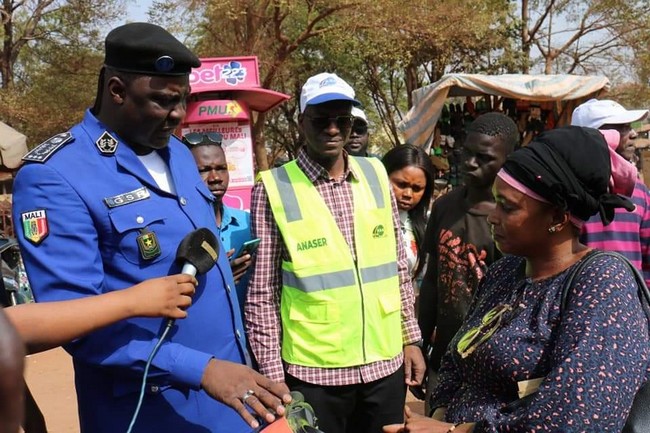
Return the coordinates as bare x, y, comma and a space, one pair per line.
91, 248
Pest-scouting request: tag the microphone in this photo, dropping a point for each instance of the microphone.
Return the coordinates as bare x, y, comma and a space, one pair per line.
198, 252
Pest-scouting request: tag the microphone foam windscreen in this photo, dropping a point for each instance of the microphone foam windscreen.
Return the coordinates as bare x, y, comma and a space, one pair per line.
200, 248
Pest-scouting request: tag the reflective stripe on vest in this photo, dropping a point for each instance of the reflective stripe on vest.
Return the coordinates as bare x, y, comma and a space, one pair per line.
334, 280
290, 201
337, 312
373, 181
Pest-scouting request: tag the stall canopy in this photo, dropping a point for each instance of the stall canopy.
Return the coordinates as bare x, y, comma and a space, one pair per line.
13, 146
418, 125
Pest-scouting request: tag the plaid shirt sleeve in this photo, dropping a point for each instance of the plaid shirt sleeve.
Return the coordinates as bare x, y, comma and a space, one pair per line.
410, 329
262, 307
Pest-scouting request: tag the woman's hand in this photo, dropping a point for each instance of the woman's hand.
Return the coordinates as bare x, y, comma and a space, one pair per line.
162, 297
242, 389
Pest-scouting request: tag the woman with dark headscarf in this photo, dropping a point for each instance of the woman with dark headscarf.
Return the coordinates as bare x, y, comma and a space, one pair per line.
524, 360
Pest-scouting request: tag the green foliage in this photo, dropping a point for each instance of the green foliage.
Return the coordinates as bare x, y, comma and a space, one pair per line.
55, 55
384, 48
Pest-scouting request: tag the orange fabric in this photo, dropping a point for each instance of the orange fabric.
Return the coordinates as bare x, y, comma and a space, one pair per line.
278, 426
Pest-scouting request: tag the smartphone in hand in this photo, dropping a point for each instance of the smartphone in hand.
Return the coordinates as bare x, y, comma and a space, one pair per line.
247, 247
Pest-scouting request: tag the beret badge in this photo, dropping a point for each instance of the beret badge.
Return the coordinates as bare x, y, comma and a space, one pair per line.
164, 64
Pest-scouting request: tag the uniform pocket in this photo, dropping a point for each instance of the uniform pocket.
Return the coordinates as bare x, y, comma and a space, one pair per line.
131, 221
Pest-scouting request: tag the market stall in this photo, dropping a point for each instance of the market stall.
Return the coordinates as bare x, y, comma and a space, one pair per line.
562, 92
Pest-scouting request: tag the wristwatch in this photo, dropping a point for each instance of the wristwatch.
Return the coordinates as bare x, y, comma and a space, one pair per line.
419, 343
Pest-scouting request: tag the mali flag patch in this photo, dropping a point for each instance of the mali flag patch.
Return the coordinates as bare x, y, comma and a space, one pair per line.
35, 227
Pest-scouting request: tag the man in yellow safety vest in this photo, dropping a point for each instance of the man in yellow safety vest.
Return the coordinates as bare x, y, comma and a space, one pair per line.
330, 307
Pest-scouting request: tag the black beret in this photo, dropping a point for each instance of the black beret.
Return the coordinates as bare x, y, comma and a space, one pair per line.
147, 49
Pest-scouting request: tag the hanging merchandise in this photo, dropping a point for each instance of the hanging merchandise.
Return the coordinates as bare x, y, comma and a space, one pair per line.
445, 118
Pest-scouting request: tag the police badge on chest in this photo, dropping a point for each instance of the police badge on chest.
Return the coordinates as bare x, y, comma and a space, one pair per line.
148, 244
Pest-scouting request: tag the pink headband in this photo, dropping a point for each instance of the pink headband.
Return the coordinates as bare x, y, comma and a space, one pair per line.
507, 178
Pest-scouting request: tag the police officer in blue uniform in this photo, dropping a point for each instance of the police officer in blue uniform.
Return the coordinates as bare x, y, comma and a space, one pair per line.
104, 206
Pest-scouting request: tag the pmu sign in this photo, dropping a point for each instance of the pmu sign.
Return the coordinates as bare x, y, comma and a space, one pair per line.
221, 109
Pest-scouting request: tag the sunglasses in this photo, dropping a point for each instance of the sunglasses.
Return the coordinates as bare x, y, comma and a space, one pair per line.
359, 127
623, 128
478, 335
200, 138
320, 123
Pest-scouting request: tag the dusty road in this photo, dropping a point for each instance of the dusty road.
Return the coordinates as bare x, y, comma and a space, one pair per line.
50, 378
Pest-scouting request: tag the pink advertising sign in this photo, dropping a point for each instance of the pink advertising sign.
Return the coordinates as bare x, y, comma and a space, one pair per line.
225, 73
224, 92
239, 198
234, 78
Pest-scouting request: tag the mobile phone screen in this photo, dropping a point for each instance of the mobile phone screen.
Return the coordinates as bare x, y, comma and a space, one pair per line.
247, 247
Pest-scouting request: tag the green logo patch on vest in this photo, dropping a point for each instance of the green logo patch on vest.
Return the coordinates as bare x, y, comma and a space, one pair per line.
379, 232
311, 243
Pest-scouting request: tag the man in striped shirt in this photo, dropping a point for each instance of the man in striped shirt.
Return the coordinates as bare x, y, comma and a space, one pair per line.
629, 233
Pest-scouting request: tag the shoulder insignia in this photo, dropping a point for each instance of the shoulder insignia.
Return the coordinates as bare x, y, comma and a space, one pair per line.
106, 143
43, 151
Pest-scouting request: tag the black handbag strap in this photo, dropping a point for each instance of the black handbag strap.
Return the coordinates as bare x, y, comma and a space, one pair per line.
643, 292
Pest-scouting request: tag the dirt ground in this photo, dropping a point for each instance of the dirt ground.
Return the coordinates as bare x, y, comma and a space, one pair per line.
50, 378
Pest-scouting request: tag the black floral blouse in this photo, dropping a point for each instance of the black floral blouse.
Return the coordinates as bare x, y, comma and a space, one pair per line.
592, 359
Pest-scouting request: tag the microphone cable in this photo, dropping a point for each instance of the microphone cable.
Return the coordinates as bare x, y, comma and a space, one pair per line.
146, 372
198, 251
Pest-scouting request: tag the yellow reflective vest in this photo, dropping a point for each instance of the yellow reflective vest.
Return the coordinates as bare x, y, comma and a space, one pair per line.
337, 312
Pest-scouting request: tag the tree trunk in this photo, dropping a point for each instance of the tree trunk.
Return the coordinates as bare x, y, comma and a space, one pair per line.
6, 64
259, 143
411, 78
525, 37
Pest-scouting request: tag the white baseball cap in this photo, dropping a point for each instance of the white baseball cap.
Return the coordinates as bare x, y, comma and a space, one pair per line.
325, 87
359, 114
595, 113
